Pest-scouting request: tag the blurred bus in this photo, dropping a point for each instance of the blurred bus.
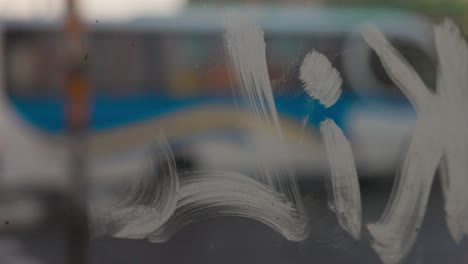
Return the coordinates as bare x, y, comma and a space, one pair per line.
153, 65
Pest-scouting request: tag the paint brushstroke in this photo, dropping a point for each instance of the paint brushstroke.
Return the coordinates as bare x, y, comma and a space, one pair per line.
395, 233
145, 203
205, 194
440, 134
398, 69
345, 198
453, 88
323, 82
151, 201
245, 48
163, 201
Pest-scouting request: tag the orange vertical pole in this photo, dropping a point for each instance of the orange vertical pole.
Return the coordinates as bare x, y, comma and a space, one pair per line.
77, 115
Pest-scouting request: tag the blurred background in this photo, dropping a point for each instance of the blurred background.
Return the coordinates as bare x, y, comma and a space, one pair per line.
151, 66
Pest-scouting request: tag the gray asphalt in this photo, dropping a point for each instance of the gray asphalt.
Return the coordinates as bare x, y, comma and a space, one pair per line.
238, 240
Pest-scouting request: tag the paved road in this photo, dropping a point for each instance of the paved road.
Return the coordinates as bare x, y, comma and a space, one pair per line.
237, 240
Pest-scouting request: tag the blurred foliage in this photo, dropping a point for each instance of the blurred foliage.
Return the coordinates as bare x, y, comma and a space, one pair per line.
435, 9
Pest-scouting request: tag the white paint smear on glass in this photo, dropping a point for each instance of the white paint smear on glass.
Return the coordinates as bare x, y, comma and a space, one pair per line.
345, 196
453, 88
205, 194
152, 200
323, 82
246, 51
160, 203
440, 134
245, 48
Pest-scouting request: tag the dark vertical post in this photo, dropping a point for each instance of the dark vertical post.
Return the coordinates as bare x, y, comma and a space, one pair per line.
77, 107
